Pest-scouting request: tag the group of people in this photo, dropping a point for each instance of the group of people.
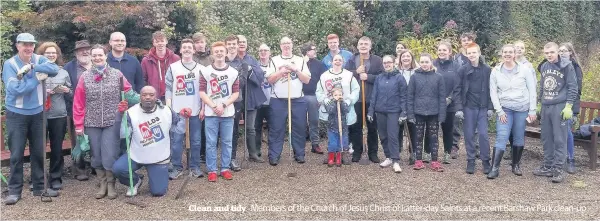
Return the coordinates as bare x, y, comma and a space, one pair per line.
201, 95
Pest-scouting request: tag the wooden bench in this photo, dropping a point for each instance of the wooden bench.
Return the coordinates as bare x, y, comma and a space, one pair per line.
5, 153
588, 111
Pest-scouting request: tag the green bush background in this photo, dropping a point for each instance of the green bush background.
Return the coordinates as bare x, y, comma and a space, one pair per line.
418, 24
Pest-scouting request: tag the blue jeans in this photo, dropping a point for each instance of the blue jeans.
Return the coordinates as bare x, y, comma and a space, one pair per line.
277, 126
216, 126
158, 174
570, 142
313, 118
195, 143
515, 125
333, 144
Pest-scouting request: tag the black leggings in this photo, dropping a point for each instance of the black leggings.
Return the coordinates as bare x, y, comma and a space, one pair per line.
427, 128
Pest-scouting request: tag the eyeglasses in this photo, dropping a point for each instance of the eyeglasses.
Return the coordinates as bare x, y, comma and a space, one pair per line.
564, 51
263, 50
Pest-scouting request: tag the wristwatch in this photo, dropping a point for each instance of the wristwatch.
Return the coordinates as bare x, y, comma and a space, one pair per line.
224, 106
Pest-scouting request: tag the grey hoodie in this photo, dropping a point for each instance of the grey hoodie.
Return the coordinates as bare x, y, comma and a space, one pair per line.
516, 92
558, 83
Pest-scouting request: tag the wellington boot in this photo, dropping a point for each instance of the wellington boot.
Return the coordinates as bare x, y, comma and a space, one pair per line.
101, 175
110, 181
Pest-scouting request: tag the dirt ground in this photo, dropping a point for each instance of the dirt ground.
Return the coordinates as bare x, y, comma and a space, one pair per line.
350, 192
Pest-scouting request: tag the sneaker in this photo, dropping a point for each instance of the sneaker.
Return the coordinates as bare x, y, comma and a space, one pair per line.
470, 167
212, 177
397, 168
135, 188
571, 166
558, 176
51, 192
436, 166
454, 152
543, 171
173, 175
419, 165
12, 199
171, 167
446, 158
426, 157
56, 185
226, 174
196, 172
316, 149
386, 163
374, 159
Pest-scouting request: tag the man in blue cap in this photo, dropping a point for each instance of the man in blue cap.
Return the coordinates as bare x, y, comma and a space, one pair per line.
22, 76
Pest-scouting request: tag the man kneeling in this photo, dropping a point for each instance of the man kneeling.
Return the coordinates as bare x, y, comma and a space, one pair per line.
148, 125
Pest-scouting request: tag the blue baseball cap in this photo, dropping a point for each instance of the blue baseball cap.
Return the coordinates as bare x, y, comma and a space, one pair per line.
26, 37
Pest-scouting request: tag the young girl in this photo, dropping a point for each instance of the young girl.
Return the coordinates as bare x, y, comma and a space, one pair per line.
426, 107
388, 101
338, 77
333, 129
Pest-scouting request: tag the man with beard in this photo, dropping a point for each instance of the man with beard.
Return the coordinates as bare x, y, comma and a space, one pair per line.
155, 64
75, 67
124, 62
251, 76
182, 83
148, 148
365, 70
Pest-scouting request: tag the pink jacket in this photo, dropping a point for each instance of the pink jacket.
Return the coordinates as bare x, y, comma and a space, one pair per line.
154, 69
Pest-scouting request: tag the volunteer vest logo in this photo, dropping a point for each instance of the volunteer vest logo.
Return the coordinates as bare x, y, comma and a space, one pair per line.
330, 84
185, 85
551, 83
218, 86
293, 75
151, 132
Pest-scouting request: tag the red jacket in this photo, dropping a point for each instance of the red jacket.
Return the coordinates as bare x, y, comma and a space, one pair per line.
153, 75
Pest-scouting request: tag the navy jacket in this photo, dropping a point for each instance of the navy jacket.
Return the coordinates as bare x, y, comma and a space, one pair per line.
389, 93
71, 68
316, 68
449, 70
579, 76
374, 67
463, 73
131, 69
558, 83
253, 80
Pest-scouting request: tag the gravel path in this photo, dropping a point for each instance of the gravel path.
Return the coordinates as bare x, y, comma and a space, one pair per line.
350, 192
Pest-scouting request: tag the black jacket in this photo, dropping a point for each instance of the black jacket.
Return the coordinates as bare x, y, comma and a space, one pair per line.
464, 72
389, 93
426, 95
449, 70
375, 67
332, 119
316, 68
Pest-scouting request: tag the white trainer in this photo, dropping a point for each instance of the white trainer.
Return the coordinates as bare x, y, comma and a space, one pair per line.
386, 163
397, 168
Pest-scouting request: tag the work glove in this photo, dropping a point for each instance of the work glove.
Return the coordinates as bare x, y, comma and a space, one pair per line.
26, 68
490, 114
460, 115
185, 112
370, 118
41, 76
412, 120
567, 112
123, 106
448, 101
